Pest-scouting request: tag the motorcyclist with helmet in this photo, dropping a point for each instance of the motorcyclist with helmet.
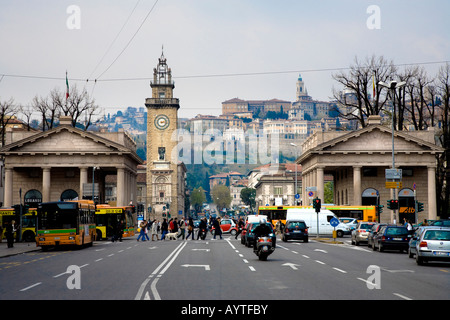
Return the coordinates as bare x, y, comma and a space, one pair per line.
262, 230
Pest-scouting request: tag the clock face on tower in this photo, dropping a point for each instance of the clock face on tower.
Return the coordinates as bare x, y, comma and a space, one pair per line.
162, 121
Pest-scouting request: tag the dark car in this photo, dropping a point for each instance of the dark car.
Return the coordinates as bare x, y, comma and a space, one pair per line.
375, 229
391, 238
295, 230
250, 236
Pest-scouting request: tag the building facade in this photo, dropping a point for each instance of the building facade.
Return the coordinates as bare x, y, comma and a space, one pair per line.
67, 163
358, 159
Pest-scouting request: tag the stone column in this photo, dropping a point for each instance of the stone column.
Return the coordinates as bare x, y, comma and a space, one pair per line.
8, 199
121, 201
83, 179
432, 206
46, 184
356, 186
320, 184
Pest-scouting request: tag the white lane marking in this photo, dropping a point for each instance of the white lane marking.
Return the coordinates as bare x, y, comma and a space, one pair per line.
401, 296
32, 286
340, 270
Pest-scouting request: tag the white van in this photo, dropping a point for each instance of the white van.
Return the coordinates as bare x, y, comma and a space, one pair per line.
310, 218
255, 218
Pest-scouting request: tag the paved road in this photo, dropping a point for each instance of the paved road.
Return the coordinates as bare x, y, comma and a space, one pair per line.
219, 270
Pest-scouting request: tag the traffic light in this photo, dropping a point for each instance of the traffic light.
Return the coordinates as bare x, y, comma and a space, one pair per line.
419, 206
380, 209
392, 204
317, 203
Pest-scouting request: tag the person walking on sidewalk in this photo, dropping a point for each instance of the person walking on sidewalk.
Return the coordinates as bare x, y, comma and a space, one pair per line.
9, 233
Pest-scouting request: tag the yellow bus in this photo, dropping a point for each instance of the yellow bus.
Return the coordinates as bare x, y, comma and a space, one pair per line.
361, 213
107, 218
62, 223
28, 222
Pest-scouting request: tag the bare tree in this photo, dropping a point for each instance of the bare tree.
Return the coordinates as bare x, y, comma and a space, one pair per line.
7, 111
359, 82
76, 106
27, 112
80, 104
48, 109
443, 170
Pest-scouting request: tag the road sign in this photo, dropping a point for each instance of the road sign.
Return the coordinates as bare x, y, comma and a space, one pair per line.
393, 174
297, 196
310, 194
394, 185
311, 188
334, 222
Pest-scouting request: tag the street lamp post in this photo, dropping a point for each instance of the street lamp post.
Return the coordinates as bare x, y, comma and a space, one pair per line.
93, 183
295, 162
393, 86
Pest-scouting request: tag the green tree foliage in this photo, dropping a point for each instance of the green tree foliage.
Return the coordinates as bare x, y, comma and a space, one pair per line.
248, 196
221, 196
197, 198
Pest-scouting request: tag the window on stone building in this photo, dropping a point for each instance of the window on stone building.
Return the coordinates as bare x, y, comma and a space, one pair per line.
369, 172
278, 190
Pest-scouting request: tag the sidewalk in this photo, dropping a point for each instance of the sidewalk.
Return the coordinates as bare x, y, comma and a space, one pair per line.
19, 248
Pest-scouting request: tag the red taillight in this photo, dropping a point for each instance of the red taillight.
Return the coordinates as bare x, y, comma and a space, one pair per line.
383, 238
306, 231
423, 244
264, 240
287, 230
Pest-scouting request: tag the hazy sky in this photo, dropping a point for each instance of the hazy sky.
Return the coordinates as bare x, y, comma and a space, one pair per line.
207, 43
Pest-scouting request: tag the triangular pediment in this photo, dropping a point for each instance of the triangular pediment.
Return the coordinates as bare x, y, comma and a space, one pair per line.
377, 138
64, 140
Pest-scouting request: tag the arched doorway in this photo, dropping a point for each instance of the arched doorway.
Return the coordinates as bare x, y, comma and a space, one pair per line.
407, 205
32, 198
370, 197
69, 194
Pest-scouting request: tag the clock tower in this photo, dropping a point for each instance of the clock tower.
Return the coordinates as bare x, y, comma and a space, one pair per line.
163, 188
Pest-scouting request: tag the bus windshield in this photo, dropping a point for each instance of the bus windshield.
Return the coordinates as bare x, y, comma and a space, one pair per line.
52, 216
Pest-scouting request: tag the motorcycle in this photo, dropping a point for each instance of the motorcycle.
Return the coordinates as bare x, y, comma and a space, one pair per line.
202, 233
264, 248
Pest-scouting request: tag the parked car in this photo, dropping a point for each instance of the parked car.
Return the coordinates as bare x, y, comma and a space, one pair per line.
295, 230
413, 241
250, 236
441, 223
375, 229
361, 232
433, 245
351, 222
392, 238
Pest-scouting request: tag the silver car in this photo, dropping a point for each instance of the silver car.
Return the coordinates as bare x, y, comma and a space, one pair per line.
433, 245
361, 232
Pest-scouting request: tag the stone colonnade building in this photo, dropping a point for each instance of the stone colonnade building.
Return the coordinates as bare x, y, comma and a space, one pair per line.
61, 164
358, 160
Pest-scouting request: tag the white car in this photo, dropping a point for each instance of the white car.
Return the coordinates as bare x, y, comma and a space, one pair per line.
352, 223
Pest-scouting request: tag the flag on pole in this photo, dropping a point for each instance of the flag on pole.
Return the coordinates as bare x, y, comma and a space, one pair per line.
67, 85
373, 84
